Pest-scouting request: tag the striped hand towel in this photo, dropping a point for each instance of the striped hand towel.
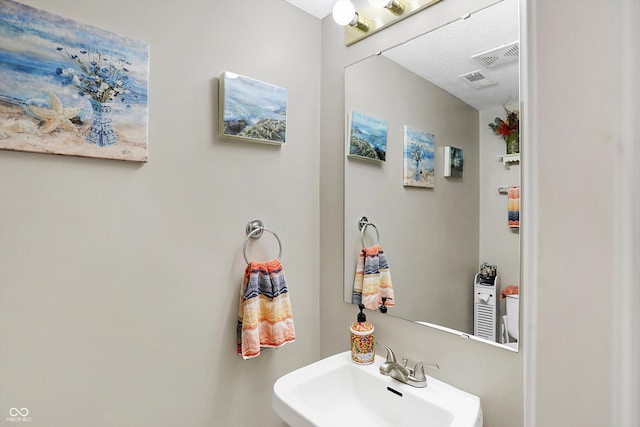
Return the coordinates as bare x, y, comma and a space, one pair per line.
264, 313
373, 279
513, 194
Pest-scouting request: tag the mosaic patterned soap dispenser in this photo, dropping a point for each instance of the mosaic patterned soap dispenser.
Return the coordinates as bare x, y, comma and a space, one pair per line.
362, 340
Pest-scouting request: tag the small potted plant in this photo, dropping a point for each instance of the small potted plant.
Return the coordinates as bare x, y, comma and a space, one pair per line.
487, 273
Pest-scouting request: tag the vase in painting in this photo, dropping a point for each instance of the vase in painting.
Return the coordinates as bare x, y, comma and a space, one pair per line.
101, 133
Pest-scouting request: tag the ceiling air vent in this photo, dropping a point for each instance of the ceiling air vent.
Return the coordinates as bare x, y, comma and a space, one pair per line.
476, 79
500, 55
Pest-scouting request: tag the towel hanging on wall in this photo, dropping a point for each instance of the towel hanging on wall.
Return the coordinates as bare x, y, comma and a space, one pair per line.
264, 312
265, 318
373, 279
513, 195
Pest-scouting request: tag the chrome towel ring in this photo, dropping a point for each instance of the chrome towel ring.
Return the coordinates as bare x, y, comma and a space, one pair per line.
362, 226
254, 230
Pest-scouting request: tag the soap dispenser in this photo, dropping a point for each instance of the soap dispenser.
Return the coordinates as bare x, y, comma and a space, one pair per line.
362, 340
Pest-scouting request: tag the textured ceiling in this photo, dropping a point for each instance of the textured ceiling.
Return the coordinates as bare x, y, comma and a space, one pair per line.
444, 54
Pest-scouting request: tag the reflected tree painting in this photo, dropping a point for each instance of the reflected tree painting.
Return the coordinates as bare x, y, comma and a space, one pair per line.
69, 88
419, 153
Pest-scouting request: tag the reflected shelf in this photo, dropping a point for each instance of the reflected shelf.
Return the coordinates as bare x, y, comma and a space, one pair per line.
507, 159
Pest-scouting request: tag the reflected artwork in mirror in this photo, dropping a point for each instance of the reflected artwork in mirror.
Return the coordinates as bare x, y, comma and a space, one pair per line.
451, 84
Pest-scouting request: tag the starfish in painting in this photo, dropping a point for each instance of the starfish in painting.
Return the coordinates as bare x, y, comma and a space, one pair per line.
56, 115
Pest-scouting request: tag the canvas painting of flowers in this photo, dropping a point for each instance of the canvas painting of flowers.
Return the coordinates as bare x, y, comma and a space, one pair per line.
69, 88
367, 137
252, 110
419, 149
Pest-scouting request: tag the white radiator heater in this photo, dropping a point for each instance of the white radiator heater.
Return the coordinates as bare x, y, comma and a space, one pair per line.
485, 308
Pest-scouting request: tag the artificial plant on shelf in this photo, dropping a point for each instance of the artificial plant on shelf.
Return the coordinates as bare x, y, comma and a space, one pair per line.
488, 272
509, 129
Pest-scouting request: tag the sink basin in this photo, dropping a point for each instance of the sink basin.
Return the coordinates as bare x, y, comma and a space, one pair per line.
335, 392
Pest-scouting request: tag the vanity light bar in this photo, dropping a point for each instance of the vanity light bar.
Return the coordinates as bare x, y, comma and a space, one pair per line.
382, 18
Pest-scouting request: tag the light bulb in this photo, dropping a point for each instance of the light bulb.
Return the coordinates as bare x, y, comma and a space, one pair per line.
394, 6
343, 12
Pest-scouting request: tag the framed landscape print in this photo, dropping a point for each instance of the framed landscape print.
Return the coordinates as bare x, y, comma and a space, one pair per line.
367, 137
252, 110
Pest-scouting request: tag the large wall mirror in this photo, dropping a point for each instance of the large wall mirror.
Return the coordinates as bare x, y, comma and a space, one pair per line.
406, 106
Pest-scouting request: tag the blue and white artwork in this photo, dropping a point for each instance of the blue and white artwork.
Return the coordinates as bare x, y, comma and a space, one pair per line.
69, 88
367, 137
419, 153
252, 110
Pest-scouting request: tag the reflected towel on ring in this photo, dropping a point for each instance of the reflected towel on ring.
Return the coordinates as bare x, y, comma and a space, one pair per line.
513, 195
264, 313
373, 279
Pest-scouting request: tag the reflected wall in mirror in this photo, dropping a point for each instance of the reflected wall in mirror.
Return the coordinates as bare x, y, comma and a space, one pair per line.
435, 239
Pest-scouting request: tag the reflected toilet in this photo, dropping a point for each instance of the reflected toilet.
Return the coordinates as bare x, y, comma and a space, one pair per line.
512, 320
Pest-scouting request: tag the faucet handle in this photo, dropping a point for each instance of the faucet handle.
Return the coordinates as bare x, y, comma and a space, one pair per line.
418, 371
391, 357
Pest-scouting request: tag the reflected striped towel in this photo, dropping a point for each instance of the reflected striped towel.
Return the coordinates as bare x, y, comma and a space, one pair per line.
373, 279
513, 194
264, 313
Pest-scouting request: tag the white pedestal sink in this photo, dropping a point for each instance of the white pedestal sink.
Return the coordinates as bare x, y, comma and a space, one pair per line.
337, 392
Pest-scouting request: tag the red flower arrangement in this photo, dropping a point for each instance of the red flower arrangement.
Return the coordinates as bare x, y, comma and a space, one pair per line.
509, 129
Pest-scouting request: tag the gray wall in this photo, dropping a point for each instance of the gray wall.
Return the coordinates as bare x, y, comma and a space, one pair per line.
119, 281
430, 236
581, 166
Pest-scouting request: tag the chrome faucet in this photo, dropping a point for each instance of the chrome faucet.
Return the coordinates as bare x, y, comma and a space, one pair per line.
414, 377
